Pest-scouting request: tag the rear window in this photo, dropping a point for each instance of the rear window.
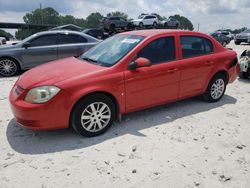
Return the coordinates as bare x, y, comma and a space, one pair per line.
195, 46
71, 39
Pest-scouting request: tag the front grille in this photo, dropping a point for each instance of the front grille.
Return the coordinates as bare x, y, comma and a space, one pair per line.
18, 90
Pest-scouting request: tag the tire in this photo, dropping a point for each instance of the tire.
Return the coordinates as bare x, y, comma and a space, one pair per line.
244, 75
236, 42
93, 115
141, 25
224, 43
9, 67
129, 27
166, 25
176, 26
154, 25
216, 88
112, 28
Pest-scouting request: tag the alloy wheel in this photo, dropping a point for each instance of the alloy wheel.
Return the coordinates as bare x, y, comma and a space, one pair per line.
217, 88
7, 67
95, 117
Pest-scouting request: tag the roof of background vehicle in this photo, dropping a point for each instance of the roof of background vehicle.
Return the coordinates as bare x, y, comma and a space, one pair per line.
153, 32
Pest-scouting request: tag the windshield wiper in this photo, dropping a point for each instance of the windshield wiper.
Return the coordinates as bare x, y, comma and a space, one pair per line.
93, 61
89, 59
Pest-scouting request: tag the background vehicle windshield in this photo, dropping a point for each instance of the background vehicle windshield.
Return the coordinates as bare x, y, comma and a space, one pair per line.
110, 51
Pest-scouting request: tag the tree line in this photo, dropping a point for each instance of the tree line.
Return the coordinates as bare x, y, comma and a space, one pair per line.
51, 16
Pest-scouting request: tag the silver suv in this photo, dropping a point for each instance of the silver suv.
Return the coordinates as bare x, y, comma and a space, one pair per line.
41, 48
146, 20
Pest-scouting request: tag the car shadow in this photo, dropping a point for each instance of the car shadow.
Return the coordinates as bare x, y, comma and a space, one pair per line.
41, 142
246, 80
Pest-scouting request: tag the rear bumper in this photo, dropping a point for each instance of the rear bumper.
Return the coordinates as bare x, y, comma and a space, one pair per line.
233, 73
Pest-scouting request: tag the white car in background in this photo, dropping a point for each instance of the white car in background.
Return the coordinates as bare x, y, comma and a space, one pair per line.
2, 40
146, 20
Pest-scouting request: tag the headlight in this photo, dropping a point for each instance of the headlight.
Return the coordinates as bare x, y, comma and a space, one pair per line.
41, 94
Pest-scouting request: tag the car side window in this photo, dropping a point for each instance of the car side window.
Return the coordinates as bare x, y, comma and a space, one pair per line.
45, 40
71, 39
195, 46
159, 51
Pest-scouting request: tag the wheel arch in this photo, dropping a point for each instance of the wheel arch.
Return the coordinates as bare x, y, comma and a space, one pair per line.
13, 58
222, 72
108, 94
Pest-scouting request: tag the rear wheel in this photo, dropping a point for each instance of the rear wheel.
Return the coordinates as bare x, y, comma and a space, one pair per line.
93, 115
9, 67
155, 25
244, 75
236, 42
112, 28
216, 88
224, 43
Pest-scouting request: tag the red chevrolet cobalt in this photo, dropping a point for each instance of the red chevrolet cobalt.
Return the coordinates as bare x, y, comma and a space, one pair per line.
125, 73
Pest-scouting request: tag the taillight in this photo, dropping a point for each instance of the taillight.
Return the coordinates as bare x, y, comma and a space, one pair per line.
235, 61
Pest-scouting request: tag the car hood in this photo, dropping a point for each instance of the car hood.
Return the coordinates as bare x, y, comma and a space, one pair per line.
7, 47
57, 71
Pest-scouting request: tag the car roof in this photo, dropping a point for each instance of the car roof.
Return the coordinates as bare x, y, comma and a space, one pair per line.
153, 32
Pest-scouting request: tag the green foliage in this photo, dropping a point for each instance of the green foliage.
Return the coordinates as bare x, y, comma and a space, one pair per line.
5, 34
160, 18
236, 31
185, 23
42, 16
93, 20
118, 13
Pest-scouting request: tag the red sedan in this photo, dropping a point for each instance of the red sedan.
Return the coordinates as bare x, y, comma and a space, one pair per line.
125, 73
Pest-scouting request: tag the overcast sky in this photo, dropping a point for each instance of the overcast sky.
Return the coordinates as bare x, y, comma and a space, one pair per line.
211, 14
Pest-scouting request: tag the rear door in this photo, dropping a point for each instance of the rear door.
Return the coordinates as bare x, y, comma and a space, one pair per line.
71, 45
196, 64
43, 49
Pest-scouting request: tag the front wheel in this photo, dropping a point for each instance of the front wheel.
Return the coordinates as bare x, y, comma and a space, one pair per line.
9, 67
216, 89
93, 115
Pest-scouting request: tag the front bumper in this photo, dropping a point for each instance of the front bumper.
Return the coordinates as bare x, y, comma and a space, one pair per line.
247, 40
50, 115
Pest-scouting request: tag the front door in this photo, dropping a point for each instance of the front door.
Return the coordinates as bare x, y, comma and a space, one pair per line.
149, 86
42, 50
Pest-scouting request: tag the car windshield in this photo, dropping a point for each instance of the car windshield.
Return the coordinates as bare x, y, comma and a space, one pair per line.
246, 31
110, 51
141, 16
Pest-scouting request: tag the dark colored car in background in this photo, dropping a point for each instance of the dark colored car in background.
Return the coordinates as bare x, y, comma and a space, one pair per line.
41, 48
242, 37
96, 32
223, 39
112, 23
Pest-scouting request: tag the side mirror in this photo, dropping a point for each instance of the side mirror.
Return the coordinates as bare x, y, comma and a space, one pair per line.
26, 45
138, 63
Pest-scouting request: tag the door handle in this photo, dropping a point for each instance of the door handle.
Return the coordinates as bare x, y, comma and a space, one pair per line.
172, 70
209, 63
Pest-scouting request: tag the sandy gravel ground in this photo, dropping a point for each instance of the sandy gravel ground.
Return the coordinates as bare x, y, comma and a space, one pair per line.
185, 144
